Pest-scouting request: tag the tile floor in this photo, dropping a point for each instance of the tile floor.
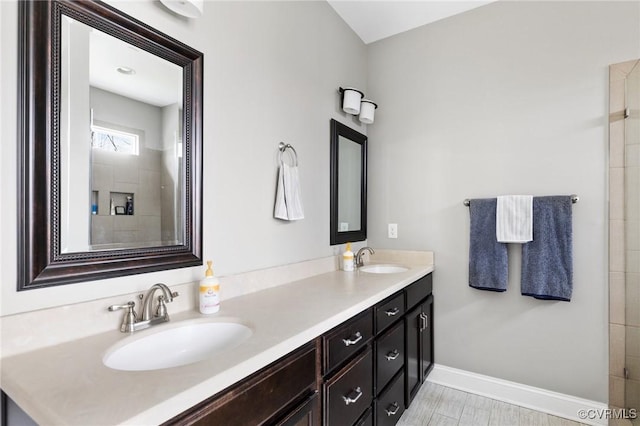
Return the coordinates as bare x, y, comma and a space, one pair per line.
436, 405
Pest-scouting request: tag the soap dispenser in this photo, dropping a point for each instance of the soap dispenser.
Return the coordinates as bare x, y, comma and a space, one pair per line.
347, 259
209, 292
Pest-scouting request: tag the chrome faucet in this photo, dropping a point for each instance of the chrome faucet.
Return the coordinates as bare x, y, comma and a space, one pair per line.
131, 322
360, 253
161, 310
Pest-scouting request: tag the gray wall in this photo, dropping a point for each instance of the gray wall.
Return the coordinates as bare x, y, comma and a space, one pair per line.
271, 74
510, 98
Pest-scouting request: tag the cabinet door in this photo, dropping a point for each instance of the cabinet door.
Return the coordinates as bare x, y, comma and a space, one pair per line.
426, 349
306, 414
413, 367
419, 347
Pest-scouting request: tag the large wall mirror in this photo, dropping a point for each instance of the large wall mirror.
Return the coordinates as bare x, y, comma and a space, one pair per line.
348, 221
110, 154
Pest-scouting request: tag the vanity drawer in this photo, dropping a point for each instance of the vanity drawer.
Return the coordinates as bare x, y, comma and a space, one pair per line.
269, 393
419, 290
350, 391
390, 405
347, 339
389, 311
389, 355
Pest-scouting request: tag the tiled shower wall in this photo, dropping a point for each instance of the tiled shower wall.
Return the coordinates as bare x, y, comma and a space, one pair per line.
139, 175
624, 247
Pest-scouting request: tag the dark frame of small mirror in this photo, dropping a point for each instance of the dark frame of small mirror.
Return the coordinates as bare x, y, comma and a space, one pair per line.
40, 261
336, 237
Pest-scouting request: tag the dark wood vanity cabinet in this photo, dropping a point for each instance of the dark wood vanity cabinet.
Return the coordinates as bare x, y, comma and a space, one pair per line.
364, 372
283, 393
418, 335
374, 363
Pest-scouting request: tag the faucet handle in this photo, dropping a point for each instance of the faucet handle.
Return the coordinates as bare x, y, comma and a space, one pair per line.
161, 310
129, 305
130, 317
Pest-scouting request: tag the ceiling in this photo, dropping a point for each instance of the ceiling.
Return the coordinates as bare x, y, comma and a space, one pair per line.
153, 80
374, 20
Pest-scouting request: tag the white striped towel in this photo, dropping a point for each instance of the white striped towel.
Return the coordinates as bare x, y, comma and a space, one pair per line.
514, 219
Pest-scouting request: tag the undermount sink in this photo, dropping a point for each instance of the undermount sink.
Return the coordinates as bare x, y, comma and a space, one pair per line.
383, 269
175, 344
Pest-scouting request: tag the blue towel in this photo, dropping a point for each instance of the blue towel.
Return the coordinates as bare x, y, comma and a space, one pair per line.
488, 264
547, 261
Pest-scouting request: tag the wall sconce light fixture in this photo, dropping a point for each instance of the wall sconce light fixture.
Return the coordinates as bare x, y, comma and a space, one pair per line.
351, 100
367, 111
353, 103
188, 8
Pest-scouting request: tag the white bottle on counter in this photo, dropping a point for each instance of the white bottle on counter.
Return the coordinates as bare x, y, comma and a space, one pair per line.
209, 292
347, 259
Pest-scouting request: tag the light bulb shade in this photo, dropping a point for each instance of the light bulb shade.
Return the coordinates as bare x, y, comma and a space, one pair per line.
351, 100
188, 8
367, 111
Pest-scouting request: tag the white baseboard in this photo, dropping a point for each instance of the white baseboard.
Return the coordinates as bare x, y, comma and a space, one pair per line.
554, 403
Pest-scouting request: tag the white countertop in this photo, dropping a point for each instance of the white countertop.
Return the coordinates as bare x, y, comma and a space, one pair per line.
68, 383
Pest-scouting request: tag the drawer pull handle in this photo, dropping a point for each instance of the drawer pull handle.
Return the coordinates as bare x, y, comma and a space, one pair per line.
353, 340
392, 312
350, 399
392, 355
394, 409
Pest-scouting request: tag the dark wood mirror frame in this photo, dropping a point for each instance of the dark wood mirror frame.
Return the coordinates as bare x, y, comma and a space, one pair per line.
40, 261
338, 129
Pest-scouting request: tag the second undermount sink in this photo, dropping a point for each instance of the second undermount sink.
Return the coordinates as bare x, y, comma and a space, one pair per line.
176, 344
383, 269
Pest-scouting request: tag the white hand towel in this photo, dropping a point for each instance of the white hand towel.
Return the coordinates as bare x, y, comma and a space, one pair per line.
280, 210
514, 219
292, 196
288, 204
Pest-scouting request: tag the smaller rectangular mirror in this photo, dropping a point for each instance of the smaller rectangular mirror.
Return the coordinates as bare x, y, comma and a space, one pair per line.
348, 222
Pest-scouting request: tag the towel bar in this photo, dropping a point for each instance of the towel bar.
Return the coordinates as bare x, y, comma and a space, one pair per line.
574, 199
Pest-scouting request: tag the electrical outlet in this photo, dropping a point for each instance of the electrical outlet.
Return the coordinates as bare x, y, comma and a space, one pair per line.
393, 230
